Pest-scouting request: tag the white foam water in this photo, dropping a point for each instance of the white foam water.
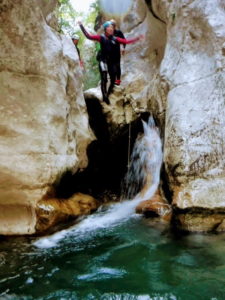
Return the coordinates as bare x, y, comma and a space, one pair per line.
146, 160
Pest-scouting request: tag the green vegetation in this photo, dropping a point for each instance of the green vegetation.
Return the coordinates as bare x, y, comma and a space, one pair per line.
91, 75
66, 15
67, 18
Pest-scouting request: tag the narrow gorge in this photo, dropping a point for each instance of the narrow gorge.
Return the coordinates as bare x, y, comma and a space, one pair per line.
124, 200
48, 126
176, 74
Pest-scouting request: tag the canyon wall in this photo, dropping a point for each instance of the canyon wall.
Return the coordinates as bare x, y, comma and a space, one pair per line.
191, 90
177, 74
44, 127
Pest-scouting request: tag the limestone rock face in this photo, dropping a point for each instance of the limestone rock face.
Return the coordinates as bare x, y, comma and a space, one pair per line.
44, 125
193, 67
142, 88
177, 73
48, 9
157, 206
52, 211
121, 110
141, 78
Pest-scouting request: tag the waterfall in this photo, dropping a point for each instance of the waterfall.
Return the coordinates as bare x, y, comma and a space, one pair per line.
145, 164
115, 7
142, 179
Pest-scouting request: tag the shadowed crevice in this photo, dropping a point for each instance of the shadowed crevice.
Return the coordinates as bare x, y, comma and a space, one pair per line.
107, 157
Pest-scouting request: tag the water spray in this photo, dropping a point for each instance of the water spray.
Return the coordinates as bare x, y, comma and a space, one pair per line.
143, 178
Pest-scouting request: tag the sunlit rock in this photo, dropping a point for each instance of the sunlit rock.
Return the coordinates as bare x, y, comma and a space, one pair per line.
52, 211
157, 206
193, 66
122, 109
141, 78
177, 73
44, 125
49, 10
142, 87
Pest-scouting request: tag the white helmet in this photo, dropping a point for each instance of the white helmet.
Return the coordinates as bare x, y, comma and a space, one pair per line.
75, 37
113, 22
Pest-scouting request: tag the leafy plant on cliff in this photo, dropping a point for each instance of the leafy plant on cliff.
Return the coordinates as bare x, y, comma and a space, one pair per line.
67, 18
91, 76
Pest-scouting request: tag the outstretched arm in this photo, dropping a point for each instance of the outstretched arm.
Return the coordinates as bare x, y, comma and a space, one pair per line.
88, 35
129, 41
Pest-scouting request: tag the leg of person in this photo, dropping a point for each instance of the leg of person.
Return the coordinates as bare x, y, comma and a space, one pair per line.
112, 75
118, 73
103, 73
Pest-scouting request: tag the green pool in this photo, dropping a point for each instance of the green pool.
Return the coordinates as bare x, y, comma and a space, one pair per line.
130, 260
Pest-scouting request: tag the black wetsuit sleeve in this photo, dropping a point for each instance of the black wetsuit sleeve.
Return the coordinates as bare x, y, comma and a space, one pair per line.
78, 51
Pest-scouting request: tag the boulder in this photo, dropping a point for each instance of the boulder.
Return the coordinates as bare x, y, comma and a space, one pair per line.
53, 211
156, 207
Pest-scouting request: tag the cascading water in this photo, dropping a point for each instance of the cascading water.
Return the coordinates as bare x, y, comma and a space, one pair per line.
106, 258
115, 7
142, 179
146, 159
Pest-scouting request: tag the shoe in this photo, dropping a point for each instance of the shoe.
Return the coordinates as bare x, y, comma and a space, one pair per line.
118, 81
106, 100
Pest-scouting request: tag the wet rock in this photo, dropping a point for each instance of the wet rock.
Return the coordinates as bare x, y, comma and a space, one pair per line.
50, 212
202, 221
155, 207
177, 73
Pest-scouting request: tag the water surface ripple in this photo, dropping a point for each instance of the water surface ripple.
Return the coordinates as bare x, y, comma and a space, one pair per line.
129, 261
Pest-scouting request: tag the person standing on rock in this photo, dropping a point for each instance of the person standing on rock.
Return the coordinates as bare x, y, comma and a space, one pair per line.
75, 39
107, 55
118, 33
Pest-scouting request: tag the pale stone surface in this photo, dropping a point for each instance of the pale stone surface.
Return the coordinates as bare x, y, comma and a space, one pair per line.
47, 7
204, 193
122, 108
93, 93
142, 88
17, 219
44, 125
201, 222
177, 73
141, 76
193, 66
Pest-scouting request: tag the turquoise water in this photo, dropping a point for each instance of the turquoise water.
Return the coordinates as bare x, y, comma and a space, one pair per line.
131, 260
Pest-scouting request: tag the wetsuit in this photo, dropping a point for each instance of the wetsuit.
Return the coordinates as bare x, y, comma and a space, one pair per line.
78, 51
107, 58
118, 33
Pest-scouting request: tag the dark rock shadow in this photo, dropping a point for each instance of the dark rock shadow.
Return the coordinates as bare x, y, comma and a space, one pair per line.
107, 156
